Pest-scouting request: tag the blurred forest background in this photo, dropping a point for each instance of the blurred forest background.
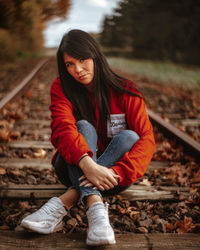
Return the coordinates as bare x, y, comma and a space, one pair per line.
22, 23
156, 39
155, 29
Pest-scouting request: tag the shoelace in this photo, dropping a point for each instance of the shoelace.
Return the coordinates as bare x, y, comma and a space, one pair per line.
102, 215
50, 208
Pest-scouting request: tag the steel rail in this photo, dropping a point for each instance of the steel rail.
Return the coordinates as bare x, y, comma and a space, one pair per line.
22, 85
192, 146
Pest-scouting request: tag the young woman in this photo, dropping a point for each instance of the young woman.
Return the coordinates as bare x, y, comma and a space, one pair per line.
102, 134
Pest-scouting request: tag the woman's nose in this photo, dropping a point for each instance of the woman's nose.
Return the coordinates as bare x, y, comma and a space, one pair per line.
78, 68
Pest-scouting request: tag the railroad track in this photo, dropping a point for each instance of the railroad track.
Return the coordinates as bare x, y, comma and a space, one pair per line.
175, 104
188, 122
27, 173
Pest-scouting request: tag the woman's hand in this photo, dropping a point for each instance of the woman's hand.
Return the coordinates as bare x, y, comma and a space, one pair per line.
97, 175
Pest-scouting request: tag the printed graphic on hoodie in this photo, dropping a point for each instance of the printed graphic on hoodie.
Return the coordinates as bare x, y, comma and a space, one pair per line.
116, 124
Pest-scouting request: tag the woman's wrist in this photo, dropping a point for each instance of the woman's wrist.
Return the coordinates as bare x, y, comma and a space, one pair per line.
82, 161
82, 158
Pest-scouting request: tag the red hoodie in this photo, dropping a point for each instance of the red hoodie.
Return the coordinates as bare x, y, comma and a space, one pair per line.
127, 112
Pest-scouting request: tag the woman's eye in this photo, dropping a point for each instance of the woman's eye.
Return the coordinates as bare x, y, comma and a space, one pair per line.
68, 64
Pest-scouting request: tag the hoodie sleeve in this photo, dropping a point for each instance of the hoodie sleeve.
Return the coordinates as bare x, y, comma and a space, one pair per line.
65, 136
134, 163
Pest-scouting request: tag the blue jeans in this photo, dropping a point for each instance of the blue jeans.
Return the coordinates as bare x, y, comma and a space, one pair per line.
119, 145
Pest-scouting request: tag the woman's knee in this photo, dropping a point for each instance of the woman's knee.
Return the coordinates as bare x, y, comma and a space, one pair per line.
128, 137
83, 124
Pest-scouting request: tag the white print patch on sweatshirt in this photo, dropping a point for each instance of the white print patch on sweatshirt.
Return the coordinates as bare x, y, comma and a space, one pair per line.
115, 124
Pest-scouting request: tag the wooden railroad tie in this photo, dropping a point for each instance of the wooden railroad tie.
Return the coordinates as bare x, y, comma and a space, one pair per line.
57, 241
133, 193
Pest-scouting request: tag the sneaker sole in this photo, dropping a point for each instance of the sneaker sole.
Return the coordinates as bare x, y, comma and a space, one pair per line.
100, 242
30, 228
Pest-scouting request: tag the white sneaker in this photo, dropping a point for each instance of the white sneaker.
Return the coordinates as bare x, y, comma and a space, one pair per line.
100, 231
47, 219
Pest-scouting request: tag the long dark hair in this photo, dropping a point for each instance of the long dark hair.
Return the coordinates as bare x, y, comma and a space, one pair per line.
81, 45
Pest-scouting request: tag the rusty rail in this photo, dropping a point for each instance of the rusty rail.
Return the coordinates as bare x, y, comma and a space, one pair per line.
192, 146
11, 95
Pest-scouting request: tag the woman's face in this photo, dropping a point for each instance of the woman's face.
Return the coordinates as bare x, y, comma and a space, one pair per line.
82, 70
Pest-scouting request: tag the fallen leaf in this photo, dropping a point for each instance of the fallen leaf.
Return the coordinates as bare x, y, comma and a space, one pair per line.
121, 210
142, 229
14, 135
2, 171
40, 153
12, 217
185, 226
29, 93
156, 217
24, 205
6, 125
170, 226
25, 156
196, 179
72, 222
134, 214
16, 172
4, 135
145, 182
4, 227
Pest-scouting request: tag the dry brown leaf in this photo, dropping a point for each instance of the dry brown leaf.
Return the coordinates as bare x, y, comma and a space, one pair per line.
193, 190
170, 226
134, 214
2, 171
4, 227
196, 179
12, 204
4, 124
29, 93
150, 207
16, 172
6, 132
126, 203
166, 119
121, 210
185, 226
24, 205
145, 182
40, 153
156, 217
12, 105
179, 173
14, 135
12, 217
4, 135
41, 86
25, 156
78, 217
142, 229
15, 116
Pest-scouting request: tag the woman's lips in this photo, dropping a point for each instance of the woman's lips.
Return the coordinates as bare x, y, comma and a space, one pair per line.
82, 77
